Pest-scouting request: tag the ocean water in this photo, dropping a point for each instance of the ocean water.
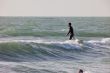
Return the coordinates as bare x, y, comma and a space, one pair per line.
40, 45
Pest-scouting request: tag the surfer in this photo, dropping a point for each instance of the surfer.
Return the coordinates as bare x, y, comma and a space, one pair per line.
80, 71
71, 31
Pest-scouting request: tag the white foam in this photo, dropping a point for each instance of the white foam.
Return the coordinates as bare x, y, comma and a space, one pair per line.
7, 40
69, 44
105, 40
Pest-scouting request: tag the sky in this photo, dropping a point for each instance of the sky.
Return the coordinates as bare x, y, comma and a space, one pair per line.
55, 8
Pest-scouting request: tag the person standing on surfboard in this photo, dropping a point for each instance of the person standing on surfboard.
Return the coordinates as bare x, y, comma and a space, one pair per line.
71, 31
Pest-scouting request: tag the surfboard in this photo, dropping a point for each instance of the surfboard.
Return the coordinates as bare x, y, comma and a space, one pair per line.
79, 41
75, 41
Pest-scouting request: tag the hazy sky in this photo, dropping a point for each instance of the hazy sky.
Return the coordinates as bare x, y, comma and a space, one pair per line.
54, 7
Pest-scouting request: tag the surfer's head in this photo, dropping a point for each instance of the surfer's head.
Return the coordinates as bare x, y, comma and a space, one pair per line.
80, 71
69, 24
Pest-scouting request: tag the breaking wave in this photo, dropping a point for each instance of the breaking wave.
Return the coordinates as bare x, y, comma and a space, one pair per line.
29, 50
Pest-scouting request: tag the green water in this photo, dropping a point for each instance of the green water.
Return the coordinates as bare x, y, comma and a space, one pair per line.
53, 26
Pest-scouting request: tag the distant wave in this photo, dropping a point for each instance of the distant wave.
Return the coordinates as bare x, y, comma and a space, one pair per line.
54, 33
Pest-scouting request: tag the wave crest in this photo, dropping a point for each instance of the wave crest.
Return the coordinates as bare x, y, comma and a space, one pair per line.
23, 50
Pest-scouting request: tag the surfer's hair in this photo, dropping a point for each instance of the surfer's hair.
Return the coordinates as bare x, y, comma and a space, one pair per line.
69, 24
80, 71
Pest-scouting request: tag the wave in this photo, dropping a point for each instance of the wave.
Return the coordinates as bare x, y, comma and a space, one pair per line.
55, 33
31, 50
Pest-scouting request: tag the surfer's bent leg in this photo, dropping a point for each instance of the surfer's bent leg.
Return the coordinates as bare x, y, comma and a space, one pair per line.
71, 36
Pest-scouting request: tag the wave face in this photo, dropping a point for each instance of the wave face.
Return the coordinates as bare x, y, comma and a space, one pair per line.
35, 50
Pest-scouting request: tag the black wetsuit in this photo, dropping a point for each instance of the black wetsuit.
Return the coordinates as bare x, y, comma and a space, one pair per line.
71, 31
